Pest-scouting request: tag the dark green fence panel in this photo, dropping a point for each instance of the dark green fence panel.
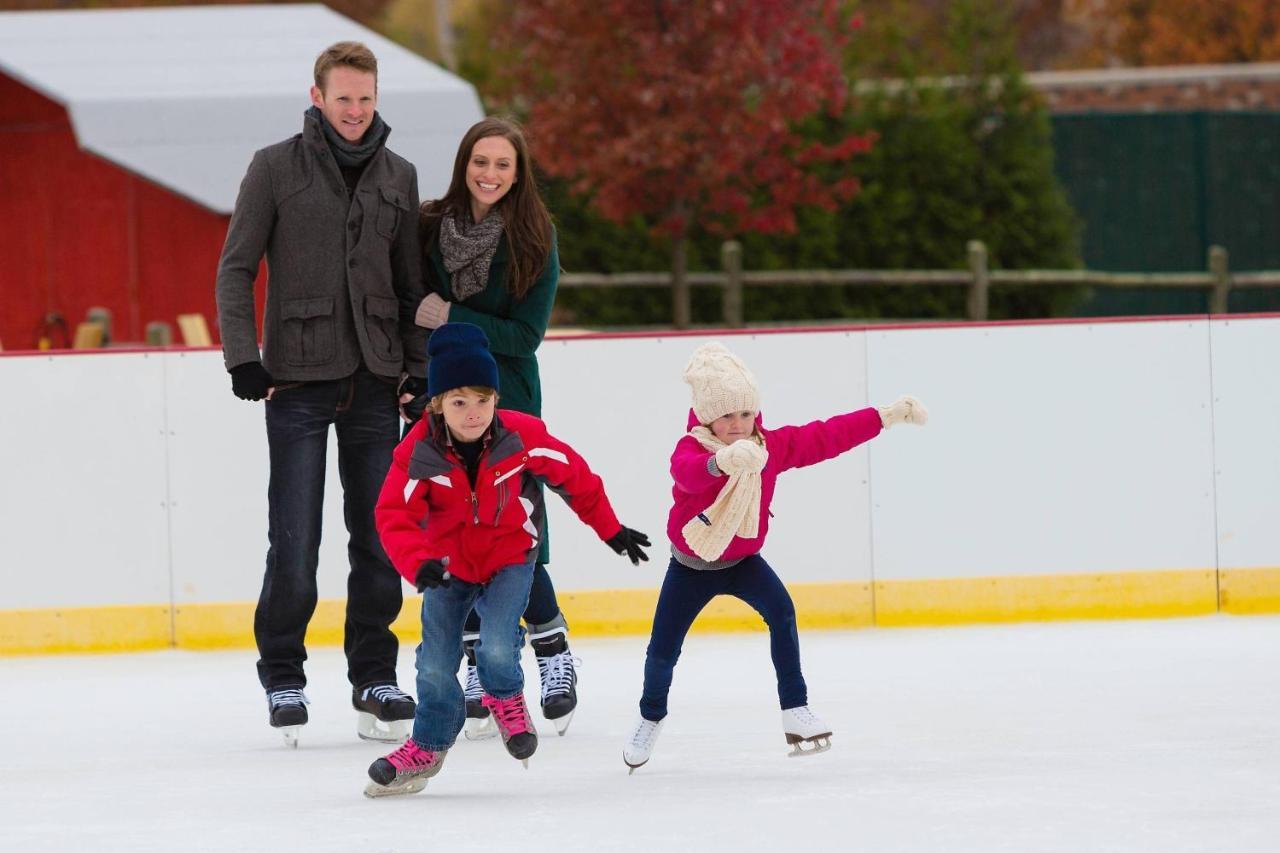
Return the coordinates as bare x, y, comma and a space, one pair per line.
1155, 190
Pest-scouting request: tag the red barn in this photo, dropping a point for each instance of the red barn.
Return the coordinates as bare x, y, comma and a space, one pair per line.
127, 133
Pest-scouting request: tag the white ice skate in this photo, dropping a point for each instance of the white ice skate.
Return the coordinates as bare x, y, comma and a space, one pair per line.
480, 724
638, 748
287, 711
805, 731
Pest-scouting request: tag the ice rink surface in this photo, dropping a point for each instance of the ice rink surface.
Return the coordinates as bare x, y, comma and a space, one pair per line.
1074, 737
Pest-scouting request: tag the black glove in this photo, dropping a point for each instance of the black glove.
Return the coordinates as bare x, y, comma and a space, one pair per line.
432, 573
629, 543
250, 381
413, 409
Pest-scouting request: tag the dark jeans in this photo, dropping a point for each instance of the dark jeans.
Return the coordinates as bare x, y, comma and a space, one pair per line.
686, 591
363, 410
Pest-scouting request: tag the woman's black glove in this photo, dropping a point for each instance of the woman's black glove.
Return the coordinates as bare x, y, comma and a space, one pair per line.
629, 543
431, 574
415, 387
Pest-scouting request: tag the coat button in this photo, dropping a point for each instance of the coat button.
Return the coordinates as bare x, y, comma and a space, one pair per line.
351, 262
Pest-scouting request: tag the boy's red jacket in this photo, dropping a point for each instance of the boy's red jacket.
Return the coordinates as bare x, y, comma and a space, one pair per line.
428, 509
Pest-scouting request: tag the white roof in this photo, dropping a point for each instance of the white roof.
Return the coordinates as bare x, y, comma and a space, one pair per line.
184, 96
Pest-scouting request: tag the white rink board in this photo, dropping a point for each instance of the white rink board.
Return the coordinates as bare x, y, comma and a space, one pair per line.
129, 478
82, 481
1052, 449
219, 476
1246, 400
623, 405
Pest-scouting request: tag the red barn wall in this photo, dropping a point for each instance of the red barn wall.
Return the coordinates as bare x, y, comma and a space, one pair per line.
77, 231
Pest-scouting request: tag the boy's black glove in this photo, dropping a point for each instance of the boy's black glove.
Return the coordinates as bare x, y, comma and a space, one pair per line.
432, 573
250, 381
629, 543
415, 387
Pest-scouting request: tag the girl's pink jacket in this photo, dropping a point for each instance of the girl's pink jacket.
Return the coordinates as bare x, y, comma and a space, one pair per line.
696, 488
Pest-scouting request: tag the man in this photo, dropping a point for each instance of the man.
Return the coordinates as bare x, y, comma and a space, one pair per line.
335, 214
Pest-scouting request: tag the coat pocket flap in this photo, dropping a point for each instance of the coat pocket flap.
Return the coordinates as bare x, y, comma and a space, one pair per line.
393, 196
301, 309
384, 307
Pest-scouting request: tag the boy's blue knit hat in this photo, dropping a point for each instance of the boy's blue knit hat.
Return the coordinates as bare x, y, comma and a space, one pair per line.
458, 356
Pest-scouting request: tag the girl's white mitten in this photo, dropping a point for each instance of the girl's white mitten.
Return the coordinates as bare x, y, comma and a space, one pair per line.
904, 410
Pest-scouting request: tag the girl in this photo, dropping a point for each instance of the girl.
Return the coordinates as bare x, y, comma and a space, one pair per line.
724, 471
490, 259
459, 517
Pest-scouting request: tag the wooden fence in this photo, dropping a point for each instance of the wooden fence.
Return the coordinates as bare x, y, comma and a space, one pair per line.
978, 278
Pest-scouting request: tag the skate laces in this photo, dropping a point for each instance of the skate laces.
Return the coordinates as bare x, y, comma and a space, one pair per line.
646, 732
474, 692
287, 696
410, 756
558, 674
386, 693
804, 716
511, 714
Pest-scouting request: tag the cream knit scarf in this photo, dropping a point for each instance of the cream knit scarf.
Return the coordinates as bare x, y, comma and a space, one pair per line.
735, 511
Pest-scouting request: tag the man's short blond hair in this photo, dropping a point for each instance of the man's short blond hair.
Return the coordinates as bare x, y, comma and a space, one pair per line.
352, 54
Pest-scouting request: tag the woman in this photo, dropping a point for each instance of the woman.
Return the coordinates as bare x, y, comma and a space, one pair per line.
490, 259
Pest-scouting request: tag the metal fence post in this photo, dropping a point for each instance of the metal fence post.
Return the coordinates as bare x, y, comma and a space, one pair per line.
981, 280
1220, 272
731, 297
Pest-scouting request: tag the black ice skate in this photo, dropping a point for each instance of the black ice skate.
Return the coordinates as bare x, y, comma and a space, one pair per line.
385, 713
404, 771
287, 711
805, 731
480, 724
515, 726
559, 678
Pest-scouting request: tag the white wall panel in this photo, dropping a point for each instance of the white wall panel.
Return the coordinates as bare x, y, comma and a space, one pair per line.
219, 476
82, 481
622, 404
130, 478
1051, 449
1246, 393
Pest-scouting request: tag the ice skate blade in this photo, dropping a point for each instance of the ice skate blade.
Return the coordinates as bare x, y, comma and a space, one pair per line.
821, 743
290, 734
373, 790
562, 723
369, 727
480, 728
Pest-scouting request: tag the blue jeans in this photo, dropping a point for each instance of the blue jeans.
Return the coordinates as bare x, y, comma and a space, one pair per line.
685, 592
441, 705
362, 408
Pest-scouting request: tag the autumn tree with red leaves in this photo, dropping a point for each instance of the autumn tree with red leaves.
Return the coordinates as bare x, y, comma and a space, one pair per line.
684, 113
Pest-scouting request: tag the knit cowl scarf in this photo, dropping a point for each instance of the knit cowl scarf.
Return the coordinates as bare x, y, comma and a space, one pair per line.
352, 154
734, 512
468, 250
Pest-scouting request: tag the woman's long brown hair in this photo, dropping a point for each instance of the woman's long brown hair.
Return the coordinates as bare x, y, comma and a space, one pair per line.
525, 219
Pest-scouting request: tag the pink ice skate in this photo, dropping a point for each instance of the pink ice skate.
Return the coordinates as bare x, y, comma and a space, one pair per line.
514, 725
404, 771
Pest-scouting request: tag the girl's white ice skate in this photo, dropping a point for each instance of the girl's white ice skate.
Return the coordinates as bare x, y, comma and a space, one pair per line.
638, 748
805, 731
480, 724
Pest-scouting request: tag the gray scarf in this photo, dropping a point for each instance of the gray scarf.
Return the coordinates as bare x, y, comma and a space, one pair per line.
468, 250
352, 154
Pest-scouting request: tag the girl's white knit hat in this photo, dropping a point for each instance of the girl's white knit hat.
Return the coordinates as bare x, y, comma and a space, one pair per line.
720, 382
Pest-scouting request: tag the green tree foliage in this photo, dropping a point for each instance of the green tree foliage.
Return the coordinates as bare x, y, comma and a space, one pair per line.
963, 152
